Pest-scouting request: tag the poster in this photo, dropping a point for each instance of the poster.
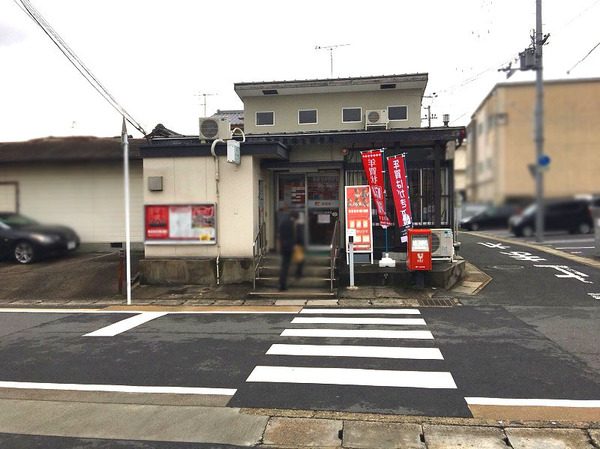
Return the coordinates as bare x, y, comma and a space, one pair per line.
373, 164
195, 223
397, 171
358, 217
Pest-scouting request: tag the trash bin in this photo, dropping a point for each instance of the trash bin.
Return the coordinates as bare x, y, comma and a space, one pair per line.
596, 220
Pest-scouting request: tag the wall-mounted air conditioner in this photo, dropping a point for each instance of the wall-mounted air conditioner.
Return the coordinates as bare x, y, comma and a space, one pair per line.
212, 128
376, 118
442, 244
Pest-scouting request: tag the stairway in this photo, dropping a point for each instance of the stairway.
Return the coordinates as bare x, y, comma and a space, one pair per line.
315, 282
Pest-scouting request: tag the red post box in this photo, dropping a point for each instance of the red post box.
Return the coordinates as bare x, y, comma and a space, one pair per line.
419, 249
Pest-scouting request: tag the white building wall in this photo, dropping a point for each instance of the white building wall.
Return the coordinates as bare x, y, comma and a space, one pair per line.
191, 180
85, 196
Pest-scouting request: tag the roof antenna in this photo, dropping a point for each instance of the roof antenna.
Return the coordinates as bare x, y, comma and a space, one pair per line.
330, 48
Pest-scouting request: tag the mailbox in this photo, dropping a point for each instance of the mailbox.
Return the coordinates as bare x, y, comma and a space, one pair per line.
419, 249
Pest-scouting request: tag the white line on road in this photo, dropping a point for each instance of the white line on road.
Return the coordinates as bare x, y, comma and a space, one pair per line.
383, 352
357, 333
117, 388
534, 402
390, 321
576, 247
126, 324
351, 376
372, 311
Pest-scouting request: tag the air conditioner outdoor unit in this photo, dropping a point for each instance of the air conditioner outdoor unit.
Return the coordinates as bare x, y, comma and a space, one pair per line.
212, 128
376, 118
442, 244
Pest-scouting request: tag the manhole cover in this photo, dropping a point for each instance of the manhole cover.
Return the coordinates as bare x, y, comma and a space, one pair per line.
507, 267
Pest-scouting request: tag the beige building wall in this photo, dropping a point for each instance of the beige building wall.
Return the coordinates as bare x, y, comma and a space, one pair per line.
191, 180
329, 110
571, 136
87, 197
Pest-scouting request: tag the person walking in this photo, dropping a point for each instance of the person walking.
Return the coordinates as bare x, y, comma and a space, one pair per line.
290, 243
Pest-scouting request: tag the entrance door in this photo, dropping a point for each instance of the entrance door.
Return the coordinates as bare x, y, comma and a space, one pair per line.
315, 196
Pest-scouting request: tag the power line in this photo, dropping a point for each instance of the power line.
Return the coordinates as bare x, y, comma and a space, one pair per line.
584, 58
28, 8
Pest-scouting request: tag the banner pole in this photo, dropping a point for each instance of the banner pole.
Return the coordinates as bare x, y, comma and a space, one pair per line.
385, 199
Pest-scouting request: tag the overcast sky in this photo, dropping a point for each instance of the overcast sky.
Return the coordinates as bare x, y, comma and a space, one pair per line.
157, 57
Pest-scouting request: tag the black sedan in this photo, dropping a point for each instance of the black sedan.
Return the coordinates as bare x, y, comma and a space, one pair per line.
492, 218
26, 240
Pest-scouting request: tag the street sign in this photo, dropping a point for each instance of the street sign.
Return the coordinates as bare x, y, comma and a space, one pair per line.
544, 160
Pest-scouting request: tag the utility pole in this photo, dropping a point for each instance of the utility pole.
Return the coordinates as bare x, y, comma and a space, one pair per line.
539, 122
429, 116
330, 48
531, 59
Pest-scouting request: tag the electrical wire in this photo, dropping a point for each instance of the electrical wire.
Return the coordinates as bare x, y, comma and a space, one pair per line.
28, 8
584, 58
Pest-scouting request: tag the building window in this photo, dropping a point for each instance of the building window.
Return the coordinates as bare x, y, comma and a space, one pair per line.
265, 118
307, 116
397, 112
351, 115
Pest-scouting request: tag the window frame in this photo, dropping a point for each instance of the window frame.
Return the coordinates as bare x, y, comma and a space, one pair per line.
316, 122
353, 121
397, 119
264, 112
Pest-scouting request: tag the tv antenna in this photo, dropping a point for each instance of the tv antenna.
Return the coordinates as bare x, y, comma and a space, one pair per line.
330, 48
204, 95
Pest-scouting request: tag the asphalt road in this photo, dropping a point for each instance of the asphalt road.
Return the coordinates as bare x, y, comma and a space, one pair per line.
578, 244
427, 362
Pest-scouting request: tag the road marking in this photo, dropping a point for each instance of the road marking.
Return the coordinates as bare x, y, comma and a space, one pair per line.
126, 324
568, 272
576, 247
170, 310
352, 376
372, 311
357, 333
383, 352
117, 388
534, 402
390, 321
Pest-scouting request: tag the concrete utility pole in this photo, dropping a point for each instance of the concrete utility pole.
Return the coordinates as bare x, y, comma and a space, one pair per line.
539, 123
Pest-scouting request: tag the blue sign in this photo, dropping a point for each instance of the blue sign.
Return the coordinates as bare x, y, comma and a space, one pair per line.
544, 161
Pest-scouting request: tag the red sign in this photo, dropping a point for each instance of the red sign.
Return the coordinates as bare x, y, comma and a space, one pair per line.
157, 222
358, 217
397, 171
373, 164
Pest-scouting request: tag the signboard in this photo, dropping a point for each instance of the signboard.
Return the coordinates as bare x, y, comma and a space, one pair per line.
181, 224
358, 218
373, 164
397, 171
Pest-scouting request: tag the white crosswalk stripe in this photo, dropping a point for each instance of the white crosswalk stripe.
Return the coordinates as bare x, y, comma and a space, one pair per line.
377, 327
388, 321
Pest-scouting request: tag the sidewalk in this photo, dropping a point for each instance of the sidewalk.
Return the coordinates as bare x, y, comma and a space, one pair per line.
281, 428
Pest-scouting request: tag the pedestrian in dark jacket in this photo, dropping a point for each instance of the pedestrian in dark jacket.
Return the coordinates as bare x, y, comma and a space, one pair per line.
289, 235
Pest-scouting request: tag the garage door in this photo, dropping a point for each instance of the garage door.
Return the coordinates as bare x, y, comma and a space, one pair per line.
8, 197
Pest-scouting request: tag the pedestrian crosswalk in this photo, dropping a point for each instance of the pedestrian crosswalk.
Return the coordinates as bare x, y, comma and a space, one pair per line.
354, 359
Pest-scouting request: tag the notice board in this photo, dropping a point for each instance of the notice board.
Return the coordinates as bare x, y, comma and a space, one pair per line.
181, 224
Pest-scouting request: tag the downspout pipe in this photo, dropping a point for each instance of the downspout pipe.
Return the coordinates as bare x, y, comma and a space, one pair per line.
216, 159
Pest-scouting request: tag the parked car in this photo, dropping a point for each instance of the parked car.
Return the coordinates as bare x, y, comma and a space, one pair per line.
26, 240
491, 218
568, 215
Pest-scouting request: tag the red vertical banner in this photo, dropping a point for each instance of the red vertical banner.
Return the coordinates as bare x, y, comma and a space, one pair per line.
373, 164
397, 172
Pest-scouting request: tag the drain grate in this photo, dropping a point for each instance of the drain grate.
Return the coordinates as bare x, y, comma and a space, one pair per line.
430, 302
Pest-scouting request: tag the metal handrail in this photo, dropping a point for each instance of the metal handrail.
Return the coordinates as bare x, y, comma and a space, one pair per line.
259, 248
334, 251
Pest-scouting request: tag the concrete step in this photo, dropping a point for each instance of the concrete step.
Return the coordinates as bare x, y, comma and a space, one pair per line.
303, 282
307, 270
293, 293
